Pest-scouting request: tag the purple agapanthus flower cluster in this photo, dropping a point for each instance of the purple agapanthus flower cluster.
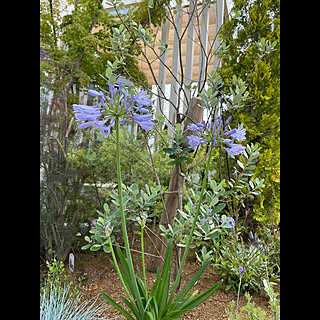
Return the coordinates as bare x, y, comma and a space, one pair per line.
214, 133
118, 103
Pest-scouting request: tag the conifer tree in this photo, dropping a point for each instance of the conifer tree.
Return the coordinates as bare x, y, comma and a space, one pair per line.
253, 27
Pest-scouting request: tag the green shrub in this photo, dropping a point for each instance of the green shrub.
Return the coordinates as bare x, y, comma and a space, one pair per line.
243, 265
59, 280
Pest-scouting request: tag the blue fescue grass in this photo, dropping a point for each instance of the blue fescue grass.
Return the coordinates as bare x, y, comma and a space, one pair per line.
58, 304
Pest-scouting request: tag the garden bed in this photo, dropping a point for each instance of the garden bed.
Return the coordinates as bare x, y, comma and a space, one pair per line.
101, 275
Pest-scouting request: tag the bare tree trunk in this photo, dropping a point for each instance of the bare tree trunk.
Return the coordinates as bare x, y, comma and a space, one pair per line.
174, 196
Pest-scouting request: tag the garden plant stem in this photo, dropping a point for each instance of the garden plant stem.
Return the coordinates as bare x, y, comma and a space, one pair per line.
238, 295
142, 254
117, 268
123, 219
184, 258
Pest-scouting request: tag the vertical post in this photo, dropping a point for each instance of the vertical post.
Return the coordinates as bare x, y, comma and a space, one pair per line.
162, 69
203, 45
216, 62
219, 21
175, 71
189, 55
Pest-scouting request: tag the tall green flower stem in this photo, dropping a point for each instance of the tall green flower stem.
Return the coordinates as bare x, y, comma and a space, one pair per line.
142, 255
117, 267
238, 295
184, 258
123, 219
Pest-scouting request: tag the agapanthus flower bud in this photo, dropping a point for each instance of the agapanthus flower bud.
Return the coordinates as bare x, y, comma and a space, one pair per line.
141, 221
108, 230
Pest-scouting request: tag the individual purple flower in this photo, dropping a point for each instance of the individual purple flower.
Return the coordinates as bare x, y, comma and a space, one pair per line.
198, 127
195, 141
193, 127
116, 104
203, 220
237, 134
86, 113
105, 130
142, 99
95, 93
216, 128
242, 270
235, 149
113, 89
228, 120
143, 120
202, 134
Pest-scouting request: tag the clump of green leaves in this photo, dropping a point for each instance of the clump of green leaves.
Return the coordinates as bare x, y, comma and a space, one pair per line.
159, 302
233, 99
243, 183
218, 234
206, 229
231, 253
250, 311
177, 151
137, 203
59, 279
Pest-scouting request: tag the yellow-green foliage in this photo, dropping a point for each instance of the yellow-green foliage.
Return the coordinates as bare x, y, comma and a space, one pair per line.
253, 23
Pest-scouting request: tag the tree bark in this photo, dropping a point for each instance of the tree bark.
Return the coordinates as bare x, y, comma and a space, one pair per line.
194, 115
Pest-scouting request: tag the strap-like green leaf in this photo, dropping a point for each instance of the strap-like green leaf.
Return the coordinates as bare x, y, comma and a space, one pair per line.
131, 306
155, 287
117, 306
163, 288
191, 283
123, 261
202, 297
151, 315
133, 285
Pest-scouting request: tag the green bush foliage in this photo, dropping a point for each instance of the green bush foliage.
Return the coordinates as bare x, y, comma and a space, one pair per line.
252, 52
